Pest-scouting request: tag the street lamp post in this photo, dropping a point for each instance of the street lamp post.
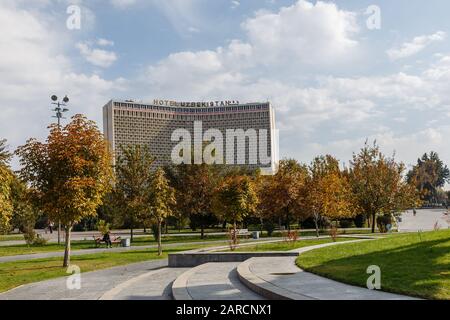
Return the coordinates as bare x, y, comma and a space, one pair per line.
61, 108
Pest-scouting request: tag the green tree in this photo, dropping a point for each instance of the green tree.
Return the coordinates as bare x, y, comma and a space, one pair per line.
195, 185
162, 201
25, 214
429, 176
69, 174
378, 185
6, 178
133, 181
235, 199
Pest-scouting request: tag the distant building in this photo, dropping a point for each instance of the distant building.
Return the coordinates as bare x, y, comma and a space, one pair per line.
250, 127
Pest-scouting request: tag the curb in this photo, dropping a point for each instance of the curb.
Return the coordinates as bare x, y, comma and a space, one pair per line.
179, 286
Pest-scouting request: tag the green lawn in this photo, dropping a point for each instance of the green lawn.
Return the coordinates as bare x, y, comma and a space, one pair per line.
13, 274
11, 237
286, 246
89, 244
412, 264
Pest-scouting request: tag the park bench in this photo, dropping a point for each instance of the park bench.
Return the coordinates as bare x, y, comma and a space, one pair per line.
114, 241
242, 232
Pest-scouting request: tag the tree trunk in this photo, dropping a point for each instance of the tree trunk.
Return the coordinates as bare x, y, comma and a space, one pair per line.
67, 250
373, 222
202, 232
159, 238
316, 222
234, 233
59, 232
131, 234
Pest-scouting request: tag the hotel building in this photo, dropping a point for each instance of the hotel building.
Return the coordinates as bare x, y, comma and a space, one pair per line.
152, 125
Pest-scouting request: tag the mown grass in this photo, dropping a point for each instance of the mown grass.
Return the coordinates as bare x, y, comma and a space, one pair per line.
11, 237
287, 245
13, 274
22, 249
416, 264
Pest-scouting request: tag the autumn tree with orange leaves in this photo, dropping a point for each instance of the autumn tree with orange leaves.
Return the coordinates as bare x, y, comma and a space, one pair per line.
379, 185
327, 192
281, 194
69, 174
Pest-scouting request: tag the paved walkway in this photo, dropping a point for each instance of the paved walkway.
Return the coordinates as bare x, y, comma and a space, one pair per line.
425, 220
93, 284
218, 281
153, 285
282, 276
56, 254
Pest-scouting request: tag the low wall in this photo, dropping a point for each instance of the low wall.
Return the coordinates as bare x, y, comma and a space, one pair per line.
194, 259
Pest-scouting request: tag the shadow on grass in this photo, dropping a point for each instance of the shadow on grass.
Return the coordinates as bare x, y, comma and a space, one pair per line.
418, 269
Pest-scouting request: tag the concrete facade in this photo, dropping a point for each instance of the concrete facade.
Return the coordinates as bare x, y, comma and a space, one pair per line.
131, 123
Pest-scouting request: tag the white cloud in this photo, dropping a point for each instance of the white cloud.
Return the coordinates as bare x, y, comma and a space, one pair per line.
34, 66
121, 4
304, 33
105, 42
97, 57
415, 46
235, 4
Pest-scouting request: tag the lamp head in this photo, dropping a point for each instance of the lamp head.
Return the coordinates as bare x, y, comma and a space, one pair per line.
54, 98
66, 99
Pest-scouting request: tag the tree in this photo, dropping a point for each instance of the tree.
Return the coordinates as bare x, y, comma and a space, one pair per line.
429, 175
327, 192
133, 181
280, 194
162, 200
378, 185
6, 177
195, 185
235, 199
25, 214
69, 174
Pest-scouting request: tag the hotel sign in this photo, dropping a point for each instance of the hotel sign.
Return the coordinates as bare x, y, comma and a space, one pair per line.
170, 103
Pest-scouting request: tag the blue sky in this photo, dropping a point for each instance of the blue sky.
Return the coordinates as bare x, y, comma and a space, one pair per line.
334, 82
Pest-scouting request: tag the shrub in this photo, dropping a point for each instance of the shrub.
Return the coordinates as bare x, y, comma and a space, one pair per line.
383, 221
346, 223
29, 235
39, 241
33, 239
360, 221
333, 233
269, 226
291, 236
103, 227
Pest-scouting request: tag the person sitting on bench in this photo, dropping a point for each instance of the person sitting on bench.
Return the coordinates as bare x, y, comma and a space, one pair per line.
107, 240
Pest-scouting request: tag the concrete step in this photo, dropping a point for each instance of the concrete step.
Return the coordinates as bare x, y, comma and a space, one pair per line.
153, 285
212, 281
281, 279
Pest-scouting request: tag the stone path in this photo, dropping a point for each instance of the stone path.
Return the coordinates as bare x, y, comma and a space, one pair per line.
153, 280
424, 220
218, 281
281, 277
153, 285
57, 254
93, 284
